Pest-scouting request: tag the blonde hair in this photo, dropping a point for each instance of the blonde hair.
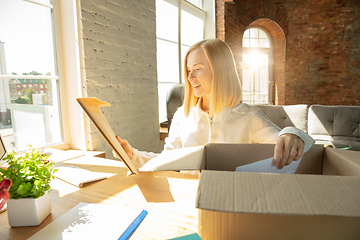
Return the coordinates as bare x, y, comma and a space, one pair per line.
226, 87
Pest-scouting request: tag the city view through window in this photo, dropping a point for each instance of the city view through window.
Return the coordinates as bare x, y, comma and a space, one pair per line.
29, 106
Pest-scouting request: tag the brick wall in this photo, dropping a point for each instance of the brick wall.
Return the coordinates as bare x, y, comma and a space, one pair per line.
220, 19
322, 46
120, 66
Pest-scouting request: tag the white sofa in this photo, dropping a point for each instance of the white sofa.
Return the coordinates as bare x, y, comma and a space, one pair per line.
329, 125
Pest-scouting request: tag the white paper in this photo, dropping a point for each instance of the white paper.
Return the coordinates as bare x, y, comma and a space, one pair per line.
56, 155
267, 166
89, 221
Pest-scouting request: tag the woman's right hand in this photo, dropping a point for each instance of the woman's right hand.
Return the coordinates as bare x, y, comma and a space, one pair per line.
126, 146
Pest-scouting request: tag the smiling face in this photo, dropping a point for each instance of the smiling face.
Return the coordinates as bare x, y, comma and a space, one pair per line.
200, 76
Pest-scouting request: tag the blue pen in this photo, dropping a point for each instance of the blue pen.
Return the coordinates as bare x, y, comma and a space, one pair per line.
133, 226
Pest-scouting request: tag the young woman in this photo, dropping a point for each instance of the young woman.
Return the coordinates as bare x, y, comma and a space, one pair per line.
213, 112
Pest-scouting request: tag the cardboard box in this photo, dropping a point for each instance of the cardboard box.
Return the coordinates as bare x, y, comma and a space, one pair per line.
321, 201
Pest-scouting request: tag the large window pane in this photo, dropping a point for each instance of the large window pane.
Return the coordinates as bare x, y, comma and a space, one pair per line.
26, 30
167, 20
197, 3
192, 27
28, 75
167, 61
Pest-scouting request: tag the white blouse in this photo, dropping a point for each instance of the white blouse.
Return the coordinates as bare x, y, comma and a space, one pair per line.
240, 124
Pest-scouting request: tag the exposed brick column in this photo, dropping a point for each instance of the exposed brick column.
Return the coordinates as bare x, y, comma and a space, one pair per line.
220, 19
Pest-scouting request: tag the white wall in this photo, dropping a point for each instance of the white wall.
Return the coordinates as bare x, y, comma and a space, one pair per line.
120, 67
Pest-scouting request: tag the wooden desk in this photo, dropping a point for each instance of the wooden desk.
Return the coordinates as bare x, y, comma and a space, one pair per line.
163, 133
169, 198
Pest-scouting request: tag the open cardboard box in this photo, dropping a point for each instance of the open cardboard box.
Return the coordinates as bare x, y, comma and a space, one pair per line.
240, 205
320, 201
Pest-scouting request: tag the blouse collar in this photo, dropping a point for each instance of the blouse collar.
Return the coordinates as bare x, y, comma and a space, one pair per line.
224, 113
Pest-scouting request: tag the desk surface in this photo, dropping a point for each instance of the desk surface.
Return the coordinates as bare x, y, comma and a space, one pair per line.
169, 198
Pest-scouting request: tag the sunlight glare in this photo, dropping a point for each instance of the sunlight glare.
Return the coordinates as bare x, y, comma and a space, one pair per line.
253, 60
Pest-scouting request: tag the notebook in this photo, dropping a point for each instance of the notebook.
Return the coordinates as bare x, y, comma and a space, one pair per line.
91, 107
78, 176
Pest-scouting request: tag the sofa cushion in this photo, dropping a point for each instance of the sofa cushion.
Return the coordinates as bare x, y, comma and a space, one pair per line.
285, 116
351, 141
334, 120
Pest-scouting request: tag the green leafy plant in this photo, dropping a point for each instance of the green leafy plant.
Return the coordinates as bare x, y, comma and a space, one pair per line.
30, 174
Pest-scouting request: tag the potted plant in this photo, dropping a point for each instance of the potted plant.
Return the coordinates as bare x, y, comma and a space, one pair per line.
31, 174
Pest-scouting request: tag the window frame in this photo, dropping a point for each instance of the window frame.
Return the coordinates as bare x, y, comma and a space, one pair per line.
71, 72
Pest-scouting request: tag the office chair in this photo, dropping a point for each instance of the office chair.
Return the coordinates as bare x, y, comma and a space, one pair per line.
174, 100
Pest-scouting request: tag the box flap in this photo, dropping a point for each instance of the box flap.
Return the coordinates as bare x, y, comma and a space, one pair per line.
190, 158
341, 162
263, 193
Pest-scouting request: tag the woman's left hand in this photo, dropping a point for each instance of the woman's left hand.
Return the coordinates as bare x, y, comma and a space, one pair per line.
288, 148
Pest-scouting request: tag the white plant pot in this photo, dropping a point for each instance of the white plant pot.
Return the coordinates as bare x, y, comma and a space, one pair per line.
28, 211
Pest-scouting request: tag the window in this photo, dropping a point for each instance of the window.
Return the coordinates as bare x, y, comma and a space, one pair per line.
179, 24
256, 69
56, 64
28, 56
197, 3
255, 37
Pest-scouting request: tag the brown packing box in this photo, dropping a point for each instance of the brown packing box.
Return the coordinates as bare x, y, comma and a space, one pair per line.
312, 204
